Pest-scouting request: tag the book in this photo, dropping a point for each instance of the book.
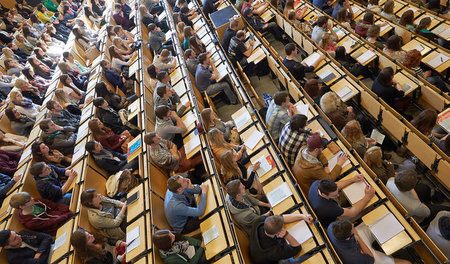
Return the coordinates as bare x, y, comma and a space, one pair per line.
419, 47
254, 139
311, 59
133, 239
327, 76
266, 164
377, 136
256, 56
300, 232
348, 45
333, 161
134, 146
355, 192
439, 29
59, 241
189, 119
386, 228
210, 234
445, 34
345, 93
279, 194
302, 108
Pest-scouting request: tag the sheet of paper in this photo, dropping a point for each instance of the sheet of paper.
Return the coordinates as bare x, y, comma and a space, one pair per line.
264, 167
302, 108
255, 57
133, 239
348, 45
184, 99
180, 88
60, 240
445, 34
365, 56
279, 194
386, 228
384, 27
192, 144
210, 234
355, 9
333, 161
311, 59
25, 154
439, 29
300, 232
377, 136
355, 192
254, 139
419, 48
242, 120
327, 76
162, 16
344, 93
189, 120
438, 60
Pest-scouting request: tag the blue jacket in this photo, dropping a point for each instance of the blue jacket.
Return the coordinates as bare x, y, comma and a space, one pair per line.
6, 183
115, 79
25, 255
49, 187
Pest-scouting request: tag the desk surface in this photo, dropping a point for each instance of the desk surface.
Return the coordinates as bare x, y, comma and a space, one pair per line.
442, 67
218, 244
142, 237
136, 208
286, 203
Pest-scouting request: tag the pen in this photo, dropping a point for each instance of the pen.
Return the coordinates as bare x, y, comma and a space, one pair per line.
131, 242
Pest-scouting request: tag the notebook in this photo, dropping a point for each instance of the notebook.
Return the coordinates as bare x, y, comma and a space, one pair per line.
363, 58
300, 232
438, 60
327, 76
302, 108
210, 234
192, 144
133, 239
386, 228
333, 161
355, 192
445, 34
266, 165
279, 194
345, 93
311, 59
189, 120
242, 120
254, 139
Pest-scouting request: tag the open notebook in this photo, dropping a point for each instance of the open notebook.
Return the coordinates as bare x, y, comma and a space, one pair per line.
300, 232
386, 228
266, 165
279, 194
333, 161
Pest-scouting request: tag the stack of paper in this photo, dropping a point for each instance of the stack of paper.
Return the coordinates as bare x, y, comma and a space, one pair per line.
333, 161
60, 241
266, 164
345, 93
311, 59
242, 120
300, 232
279, 194
439, 29
348, 45
254, 139
355, 192
386, 228
366, 56
377, 136
189, 120
210, 234
133, 239
192, 144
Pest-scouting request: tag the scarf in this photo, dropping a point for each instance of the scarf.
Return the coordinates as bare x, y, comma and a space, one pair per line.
309, 158
179, 247
25, 103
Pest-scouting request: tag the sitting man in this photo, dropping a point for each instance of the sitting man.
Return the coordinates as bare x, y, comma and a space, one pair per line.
321, 198
39, 214
237, 50
114, 78
179, 204
61, 116
111, 118
271, 243
230, 32
187, 15
293, 137
58, 137
278, 113
26, 246
164, 61
296, 68
169, 125
191, 61
111, 161
168, 97
7, 184
157, 39
48, 180
206, 78
210, 6
311, 164
259, 25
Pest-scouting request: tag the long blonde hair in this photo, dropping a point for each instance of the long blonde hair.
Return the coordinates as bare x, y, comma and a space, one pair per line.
180, 29
373, 156
229, 168
352, 132
13, 94
206, 119
217, 140
61, 97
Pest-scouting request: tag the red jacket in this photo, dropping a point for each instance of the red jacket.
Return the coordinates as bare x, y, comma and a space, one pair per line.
361, 27
49, 221
112, 142
8, 162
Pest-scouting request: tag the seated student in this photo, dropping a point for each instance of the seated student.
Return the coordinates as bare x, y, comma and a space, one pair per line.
388, 11
6, 184
111, 118
219, 145
165, 154
109, 160
166, 95
49, 179
328, 45
176, 248
363, 24
115, 79
40, 68
28, 91
382, 168
372, 36
342, 4
353, 134
271, 243
8, 162
390, 90
75, 95
324, 5
293, 137
42, 153
425, 121
230, 32
122, 19
91, 248
58, 137
35, 80
278, 113
187, 15
77, 79
179, 204
439, 232
259, 25
169, 125
374, 6
191, 61
157, 39
407, 20
210, 121
11, 142
42, 56
114, 100
26, 246
118, 61
311, 165
206, 78
298, 69
164, 61
237, 50
422, 29
23, 105
39, 214
321, 28
210, 6
394, 48
74, 64
61, 116
105, 214
188, 34
321, 197
109, 139
339, 113
414, 196
21, 124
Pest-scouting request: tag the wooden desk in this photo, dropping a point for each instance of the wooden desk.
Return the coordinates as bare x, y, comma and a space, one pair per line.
142, 237
211, 202
356, 42
63, 235
341, 85
331, 69
238, 113
287, 203
219, 243
443, 66
229, 258
265, 152
403, 77
134, 109
246, 135
371, 183
316, 126
322, 257
394, 244
361, 51
138, 207
194, 151
417, 43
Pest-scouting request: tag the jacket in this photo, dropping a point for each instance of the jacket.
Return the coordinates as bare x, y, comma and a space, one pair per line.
113, 142
25, 255
23, 128
6, 184
361, 27
387, 93
62, 140
111, 119
306, 173
244, 216
65, 119
384, 172
111, 165
49, 187
180, 259
8, 162
54, 216
107, 223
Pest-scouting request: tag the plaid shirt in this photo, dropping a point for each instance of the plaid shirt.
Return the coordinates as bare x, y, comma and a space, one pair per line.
291, 141
277, 116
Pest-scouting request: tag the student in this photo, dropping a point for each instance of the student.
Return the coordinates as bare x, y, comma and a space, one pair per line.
157, 39
298, 69
321, 197
407, 20
116, 101
230, 32
258, 8
111, 161
352, 132
42, 153
206, 78
118, 61
23, 105
39, 214
166, 95
439, 232
61, 116
74, 94
394, 48
372, 35
293, 137
169, 125
121, 19
231, 169
219, 145
422, 29
425, 121
26, 246
374, 6
342, 4
7, 183
321, 28
28, 91
191, 61
328, 45
210, 121
21, 124
111, 118
278, 113
237, 50
48, 180
114, 78
187, 16
179, 204
390, 90
164, 61
388, 11
58, 137
363, 24
311, 165
176, 248
210, 6
109, 139
382, 168
35, 80
259, 25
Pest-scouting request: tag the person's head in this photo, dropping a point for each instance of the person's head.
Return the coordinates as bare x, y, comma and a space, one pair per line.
117, 7
215, 137
425, 121
394, 43
194, 44
312, 87
208, 118
184, 10
235, 189
342, 229
340, 54
47, 125
20, 200
373, 31
163, 239
328, 189
368, 17
40, 169
298, 122
389, 7
352, 132
85, 244
289, 5
162, 91
9, 64
203, 59
385, 76
93, 146
152, 27
118, 30
176, 18
281, 98
423, 24
230, 168
152, 70
373, 2
16, 96
101, 89
54, 106
406, 180
152, 138
248, 12
163, 77
180, 28
273, 225
234, 24
100, 102
97, 128
12, 114
373, 156
178, 183
412, 59
326, 41
10, 239
105, 64
90, 198
290, 49
342, 15
114, 52
315, 144
407, 18
240, 35
291, 15
322, 22
8, 52
162, 112
61, 97
164, 55
190, 54
39, 150
64, 67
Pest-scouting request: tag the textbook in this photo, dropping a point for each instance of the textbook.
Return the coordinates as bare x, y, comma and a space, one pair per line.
302, 108
300, 232
386, 228
333, 161
377, 136
311, 59
366, 56
266, 165
133, 239
192, 144
210, 234
254, 139
345, 93
279, 194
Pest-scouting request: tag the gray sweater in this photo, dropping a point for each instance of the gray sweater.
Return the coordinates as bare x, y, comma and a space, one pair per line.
244, 217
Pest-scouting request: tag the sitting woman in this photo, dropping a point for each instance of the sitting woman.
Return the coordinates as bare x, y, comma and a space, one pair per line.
353, 134
210, 121
47, 60
29, 91
122, 47
43, 14
79, 80
93, 17
219, 145
111, 161
363, 24
108, 138
36, 23
407, 20
119, 61
13, 67
11, 142
29, 36
390, 90
422, 29
382, 168
51, 46
40, 68
84, 41
152, 71
372, 36
342, 17
425, 122
180, 30
35, 80
290, 7
328, 45
75, 95
23, 105
42, 153
188, 33
388, 11
176, 248
338, 112
90, 248
62, 98
114, 100
196, 45
74, 64
147, 18
21, 124
394, 48
105, 214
